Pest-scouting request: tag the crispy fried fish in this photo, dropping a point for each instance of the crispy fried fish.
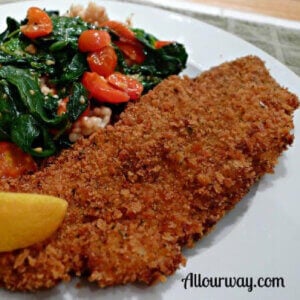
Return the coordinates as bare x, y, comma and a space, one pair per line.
174, 164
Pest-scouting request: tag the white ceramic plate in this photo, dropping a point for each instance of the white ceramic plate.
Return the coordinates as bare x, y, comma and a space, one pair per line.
260, 237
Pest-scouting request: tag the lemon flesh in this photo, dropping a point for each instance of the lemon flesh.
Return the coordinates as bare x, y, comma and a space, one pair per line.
26, 219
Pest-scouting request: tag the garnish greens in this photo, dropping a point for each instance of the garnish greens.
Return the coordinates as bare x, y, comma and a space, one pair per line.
28, 117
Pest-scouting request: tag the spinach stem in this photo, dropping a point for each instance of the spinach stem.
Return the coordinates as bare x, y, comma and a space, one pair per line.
12, 34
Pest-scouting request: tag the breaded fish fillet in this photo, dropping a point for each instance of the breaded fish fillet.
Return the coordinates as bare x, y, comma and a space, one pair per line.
174, 164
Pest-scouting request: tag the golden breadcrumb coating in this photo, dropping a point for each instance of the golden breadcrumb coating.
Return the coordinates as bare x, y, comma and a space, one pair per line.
174, 164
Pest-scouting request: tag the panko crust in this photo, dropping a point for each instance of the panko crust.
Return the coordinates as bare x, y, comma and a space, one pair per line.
158, 180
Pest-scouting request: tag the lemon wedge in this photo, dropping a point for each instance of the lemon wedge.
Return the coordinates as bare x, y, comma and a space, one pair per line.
26, 219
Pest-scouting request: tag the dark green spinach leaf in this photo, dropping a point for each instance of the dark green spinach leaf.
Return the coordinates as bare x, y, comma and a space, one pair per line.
32, 137
66, 31
74, 69
12, 27
78, 102
30, 93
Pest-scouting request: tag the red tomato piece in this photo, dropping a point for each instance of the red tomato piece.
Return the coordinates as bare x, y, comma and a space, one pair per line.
101, 90
103, 62
133, 51
39, 23
160, 44
62, 106
13, 161
127, 84
93, 40
121, 30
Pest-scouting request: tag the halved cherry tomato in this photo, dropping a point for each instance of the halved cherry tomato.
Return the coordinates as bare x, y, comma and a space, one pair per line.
13, 161
39, 23
120, 29
127, 84
133, 51
104, 61
62, 106
160, 44
93, 40
101, 90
